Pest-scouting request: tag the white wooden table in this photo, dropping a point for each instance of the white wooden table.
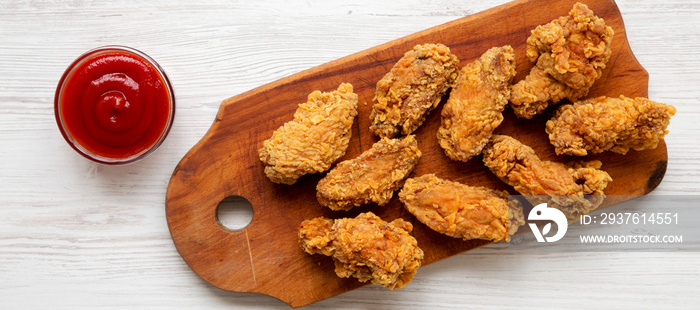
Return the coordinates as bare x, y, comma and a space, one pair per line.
75, 234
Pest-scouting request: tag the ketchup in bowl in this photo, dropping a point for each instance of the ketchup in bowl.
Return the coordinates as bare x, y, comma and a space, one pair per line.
114, 105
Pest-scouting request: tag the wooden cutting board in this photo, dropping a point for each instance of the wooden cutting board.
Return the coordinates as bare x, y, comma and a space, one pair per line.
265, 256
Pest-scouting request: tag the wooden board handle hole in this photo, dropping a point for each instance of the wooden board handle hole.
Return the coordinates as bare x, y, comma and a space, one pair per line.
234, 213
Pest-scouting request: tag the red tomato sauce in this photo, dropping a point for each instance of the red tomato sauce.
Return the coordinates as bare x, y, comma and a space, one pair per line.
114, 105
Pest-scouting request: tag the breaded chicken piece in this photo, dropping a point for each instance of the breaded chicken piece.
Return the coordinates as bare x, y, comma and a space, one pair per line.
365, 247
371, 177
616, 124
473, 111
534, 94
460, 211
317, 137
570, 54
515, 216
575, 189
413, 88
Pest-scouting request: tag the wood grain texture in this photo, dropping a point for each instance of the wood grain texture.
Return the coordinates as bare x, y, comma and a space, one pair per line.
75, 235
265, 256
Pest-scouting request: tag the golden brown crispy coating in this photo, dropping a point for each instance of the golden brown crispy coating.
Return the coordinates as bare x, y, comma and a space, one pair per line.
317, 137
534, 94
571, 53
565, 187
365, 247
413, 88
473, 111
371, 177
515, 216
460, 211
616, 124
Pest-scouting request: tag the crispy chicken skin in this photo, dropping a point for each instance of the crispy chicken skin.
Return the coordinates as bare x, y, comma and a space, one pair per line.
616, 124
460, 211
365, 247
473, 111
413, 88
317, 137
574, 189
371, 177
534, 94
570, 54
516, 217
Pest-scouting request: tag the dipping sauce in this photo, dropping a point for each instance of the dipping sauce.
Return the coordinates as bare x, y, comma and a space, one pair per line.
114, 105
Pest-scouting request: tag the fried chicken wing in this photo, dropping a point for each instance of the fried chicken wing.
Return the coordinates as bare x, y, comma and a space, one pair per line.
603, 123
461, 211
365, 247
534, 94
317, 137
570, 54
413, 88
575, 189
371, 177
473, 111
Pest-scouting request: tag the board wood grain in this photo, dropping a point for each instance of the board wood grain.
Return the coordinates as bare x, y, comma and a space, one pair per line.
265, 257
